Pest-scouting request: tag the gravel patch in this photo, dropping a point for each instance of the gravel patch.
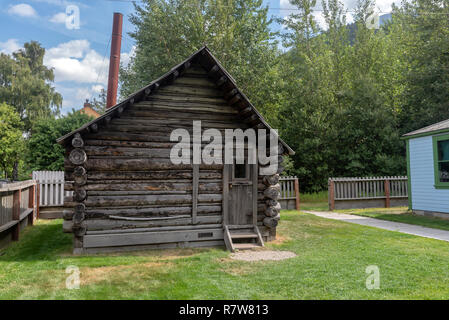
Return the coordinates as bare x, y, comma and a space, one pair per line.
262, 255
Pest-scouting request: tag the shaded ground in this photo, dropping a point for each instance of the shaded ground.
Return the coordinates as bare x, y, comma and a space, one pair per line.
330, 263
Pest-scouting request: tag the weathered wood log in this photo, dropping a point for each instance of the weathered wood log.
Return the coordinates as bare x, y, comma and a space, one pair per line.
140, 200
78, 156
77, 245
67, 214
79, 194
272, 211
107, 120
213, 70
98, 212
67, 226
79, 171
245, 111
93, 128
272, 192
151, 186
221, 81
188, 91
152, 175
79, 231
79, 207
81, 180
235, 99
231, 93
77, 141
78, 218
270, 202
271, 180
109, 224
140, 164
271, 222
252, 119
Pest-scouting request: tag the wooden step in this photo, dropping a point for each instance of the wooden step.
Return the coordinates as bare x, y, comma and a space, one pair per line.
232, 232
243, 246
243, 235
240, 226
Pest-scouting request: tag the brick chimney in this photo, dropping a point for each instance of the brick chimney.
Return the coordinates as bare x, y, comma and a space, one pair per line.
114, 61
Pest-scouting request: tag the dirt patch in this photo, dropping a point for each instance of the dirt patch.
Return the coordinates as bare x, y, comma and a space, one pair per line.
262, 255
280, 240
95, 275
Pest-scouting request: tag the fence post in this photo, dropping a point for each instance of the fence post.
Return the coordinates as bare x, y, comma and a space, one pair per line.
297, 194
38, 197
16, 214
387, 193
331, 196
31, 196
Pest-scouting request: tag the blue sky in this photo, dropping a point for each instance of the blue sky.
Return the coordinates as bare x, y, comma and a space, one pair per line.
80, 56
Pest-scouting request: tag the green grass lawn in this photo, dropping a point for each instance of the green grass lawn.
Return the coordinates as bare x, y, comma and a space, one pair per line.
400, 214
314, 201
331, 260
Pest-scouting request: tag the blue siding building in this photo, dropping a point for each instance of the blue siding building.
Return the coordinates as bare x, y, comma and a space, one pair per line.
428, 170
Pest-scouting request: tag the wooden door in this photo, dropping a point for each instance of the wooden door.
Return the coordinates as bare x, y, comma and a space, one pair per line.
241, 198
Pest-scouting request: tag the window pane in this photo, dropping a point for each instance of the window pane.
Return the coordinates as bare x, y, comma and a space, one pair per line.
443, 150
444, 171
239, 171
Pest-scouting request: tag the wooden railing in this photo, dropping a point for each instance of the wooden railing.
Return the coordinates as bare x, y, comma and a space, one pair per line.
289, 192
368, 190
51, 188
19, 207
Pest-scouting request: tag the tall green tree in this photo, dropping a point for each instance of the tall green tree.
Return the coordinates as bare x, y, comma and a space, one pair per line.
26, 84
341, 113
11, 140
43, 153
237, 31
424, 27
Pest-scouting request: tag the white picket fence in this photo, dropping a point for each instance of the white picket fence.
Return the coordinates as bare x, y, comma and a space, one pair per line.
51, 188
287, 185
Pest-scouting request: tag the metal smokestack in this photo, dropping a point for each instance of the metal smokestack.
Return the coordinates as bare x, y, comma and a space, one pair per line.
114, 61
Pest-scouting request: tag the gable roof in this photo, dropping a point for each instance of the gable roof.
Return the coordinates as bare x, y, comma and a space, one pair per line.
216, 72
438, 127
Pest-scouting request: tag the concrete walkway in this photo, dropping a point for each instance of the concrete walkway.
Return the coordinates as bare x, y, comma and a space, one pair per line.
384, 224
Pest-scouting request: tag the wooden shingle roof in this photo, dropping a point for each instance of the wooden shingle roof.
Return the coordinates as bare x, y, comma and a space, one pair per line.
438, 127
216, 73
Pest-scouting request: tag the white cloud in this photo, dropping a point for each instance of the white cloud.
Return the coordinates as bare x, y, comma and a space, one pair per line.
76, 61
59, 18
22, 10
80, 72
9, 46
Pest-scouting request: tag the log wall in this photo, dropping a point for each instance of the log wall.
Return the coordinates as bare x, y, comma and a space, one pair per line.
124, 183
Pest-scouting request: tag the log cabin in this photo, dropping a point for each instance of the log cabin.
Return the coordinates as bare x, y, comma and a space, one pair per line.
129, 195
